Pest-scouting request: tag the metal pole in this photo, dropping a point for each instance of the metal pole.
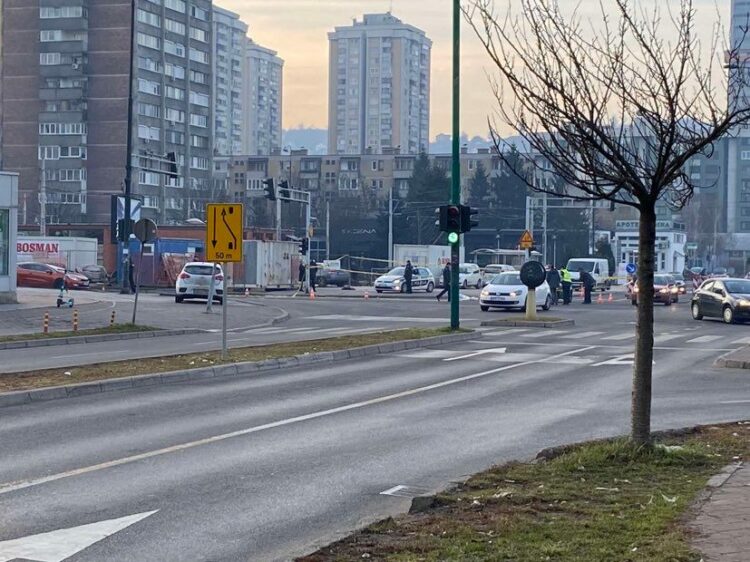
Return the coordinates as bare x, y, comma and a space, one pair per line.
43, 200
138, 283
544, 227
224, 300
529, 222
456, 155
125, 289
278, 219
390, 227
328, 229
591, 228
211, 290
308, 215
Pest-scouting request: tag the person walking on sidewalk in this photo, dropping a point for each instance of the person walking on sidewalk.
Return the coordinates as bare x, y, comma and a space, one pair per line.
313, 275
408, 273
446, 283
567, 285
553, 280
302, 270
588, 282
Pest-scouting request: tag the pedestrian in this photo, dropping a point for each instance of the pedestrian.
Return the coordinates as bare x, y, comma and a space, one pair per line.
553, 280
131, 276
313, 275
588, 282
446, 283
302, 270
567, 285
408, 272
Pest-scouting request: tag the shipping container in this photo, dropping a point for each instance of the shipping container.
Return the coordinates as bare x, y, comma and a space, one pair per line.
267, 265
433, 257
160, 262
61, 251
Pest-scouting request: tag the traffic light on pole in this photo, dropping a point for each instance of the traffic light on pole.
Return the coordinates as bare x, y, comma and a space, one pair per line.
284, 189
467, 223
269, 189
304, 245
450, 221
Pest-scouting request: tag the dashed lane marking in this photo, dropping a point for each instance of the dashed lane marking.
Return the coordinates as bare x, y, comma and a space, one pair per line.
705, 339
581, 335
619, 337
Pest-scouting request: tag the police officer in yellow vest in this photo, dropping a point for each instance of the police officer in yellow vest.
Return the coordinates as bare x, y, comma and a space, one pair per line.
567, 285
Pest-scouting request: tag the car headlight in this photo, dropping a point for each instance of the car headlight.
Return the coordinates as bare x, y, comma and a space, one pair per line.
675, 290
663, 291
485, 293
744, 303
513, 294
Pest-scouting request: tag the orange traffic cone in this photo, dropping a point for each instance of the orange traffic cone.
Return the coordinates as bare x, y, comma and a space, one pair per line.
600, 300
312, 295
610, 298
367, 295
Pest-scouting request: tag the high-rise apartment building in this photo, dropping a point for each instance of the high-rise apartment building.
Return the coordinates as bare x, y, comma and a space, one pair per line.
379, 87
263, 86
230, 38
64, 97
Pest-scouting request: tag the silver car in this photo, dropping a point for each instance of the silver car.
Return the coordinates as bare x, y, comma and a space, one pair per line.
421, 280
194, 282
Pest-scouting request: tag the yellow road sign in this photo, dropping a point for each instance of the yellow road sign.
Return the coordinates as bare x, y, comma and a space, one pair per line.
527, 240
224, 232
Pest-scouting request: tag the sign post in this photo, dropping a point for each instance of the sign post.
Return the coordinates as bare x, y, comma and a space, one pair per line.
224, 244
533, 276
145, 231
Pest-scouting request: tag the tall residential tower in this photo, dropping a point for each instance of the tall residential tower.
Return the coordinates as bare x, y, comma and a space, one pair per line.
379, 87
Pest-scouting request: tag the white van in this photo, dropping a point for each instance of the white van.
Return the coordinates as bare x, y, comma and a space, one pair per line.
597, 267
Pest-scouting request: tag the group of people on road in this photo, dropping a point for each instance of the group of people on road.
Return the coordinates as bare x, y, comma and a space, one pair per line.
562, 281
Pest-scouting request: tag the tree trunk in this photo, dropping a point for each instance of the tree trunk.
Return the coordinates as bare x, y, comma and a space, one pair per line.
640, 423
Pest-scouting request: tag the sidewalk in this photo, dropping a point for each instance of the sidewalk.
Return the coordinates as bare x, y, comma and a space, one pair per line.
723, 524
46, 298
739, 359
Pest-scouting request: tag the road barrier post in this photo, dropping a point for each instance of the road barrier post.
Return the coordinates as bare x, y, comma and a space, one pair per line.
75, 320
45, 323
112, 319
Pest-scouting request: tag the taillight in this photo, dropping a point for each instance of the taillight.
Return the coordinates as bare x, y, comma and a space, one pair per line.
184, 275
219, 277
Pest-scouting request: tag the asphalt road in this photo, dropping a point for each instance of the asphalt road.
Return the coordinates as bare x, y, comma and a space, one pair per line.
270, 466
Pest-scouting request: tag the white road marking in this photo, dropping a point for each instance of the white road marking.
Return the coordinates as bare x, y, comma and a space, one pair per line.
705, 339
506, 332
581, 335
735, 402
93, 353
661, 338
498, 350
56, 546
742, 341
627, 359
23, 484
427, 354
618, 337
545, 333
392, 491
382, 319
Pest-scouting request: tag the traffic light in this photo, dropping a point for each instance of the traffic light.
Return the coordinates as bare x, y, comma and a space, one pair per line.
284, 189
123, 230
467, 223
450, 221
269, 189
304, 245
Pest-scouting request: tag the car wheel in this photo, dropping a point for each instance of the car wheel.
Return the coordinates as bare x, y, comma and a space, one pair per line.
479, 284
668, 303
58, 284
430, 287
178, 299
484, 308
547, 303
378, 291
696, 311
465, 284
728, 315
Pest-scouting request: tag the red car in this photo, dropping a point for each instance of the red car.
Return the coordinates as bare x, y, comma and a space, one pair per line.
32, 274
665, 291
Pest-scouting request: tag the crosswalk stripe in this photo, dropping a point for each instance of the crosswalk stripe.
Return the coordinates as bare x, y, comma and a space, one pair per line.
545, 333
745, 341
661, 338
618, 337
705, 339
506, 332
581, 335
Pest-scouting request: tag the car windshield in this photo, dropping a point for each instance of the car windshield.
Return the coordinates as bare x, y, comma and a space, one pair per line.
507, 278
396, 271
199, 269
738, 286
662, 279
678, 276
493, 269
463, 270
581, 266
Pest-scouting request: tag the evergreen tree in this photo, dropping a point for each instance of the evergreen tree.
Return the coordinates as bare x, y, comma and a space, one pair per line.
479, 187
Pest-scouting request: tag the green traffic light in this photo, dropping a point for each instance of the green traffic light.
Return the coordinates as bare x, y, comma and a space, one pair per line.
453, 237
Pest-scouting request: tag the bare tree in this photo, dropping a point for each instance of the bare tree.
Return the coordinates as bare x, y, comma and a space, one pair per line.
616, 110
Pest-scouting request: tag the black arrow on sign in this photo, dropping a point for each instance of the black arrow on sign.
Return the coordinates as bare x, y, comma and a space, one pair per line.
214, 238
232, 245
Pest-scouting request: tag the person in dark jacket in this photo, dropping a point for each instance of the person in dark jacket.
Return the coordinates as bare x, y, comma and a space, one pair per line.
446, 283
588, 282
553, 280
302, 270
313, 275
408, 273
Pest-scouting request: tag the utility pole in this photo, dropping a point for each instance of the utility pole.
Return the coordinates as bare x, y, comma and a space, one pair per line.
43, 200
544, 227
591, 227
456, 162
390, 227
328, 229
125, 288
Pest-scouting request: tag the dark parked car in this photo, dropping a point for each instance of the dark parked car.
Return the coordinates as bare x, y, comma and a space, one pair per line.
336, 277
95, 273
728, 299
665, 290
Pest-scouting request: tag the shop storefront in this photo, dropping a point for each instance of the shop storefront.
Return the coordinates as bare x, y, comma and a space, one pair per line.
8, 231
670, 244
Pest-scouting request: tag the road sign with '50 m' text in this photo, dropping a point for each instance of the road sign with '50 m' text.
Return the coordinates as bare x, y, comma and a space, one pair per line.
224, 232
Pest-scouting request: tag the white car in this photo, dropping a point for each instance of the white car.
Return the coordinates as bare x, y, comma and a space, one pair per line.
469, 275
421, 280
507, 291
493, 270
194, 281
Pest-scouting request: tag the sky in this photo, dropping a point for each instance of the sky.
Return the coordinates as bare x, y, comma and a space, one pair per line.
298, 29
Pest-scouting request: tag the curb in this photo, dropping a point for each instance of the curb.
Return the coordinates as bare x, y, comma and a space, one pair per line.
725, 362
22, 344
529, 323
234, 369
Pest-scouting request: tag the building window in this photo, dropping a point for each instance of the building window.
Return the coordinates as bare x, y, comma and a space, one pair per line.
198, 77
198, 120
745, 155
176, 5
60, 12
148, 110
198, 35
62, 128
151, 202
174, 93
47, 59
49, 35
174, 182
73, 152
174, 115
174, 70
75, 175
199, 99
198, 56
149, 133
146, 63
49, 153
146, 40
148, 178
199, 163
149, 87
174, 26
175, 137
176, 49
199, 13
149, 18
198, 141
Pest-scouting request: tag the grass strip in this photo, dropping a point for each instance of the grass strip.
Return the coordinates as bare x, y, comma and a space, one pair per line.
603, 501
147, 365
116, 329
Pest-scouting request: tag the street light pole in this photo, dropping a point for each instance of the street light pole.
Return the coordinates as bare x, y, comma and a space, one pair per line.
125, 289
390, 227
456, 155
